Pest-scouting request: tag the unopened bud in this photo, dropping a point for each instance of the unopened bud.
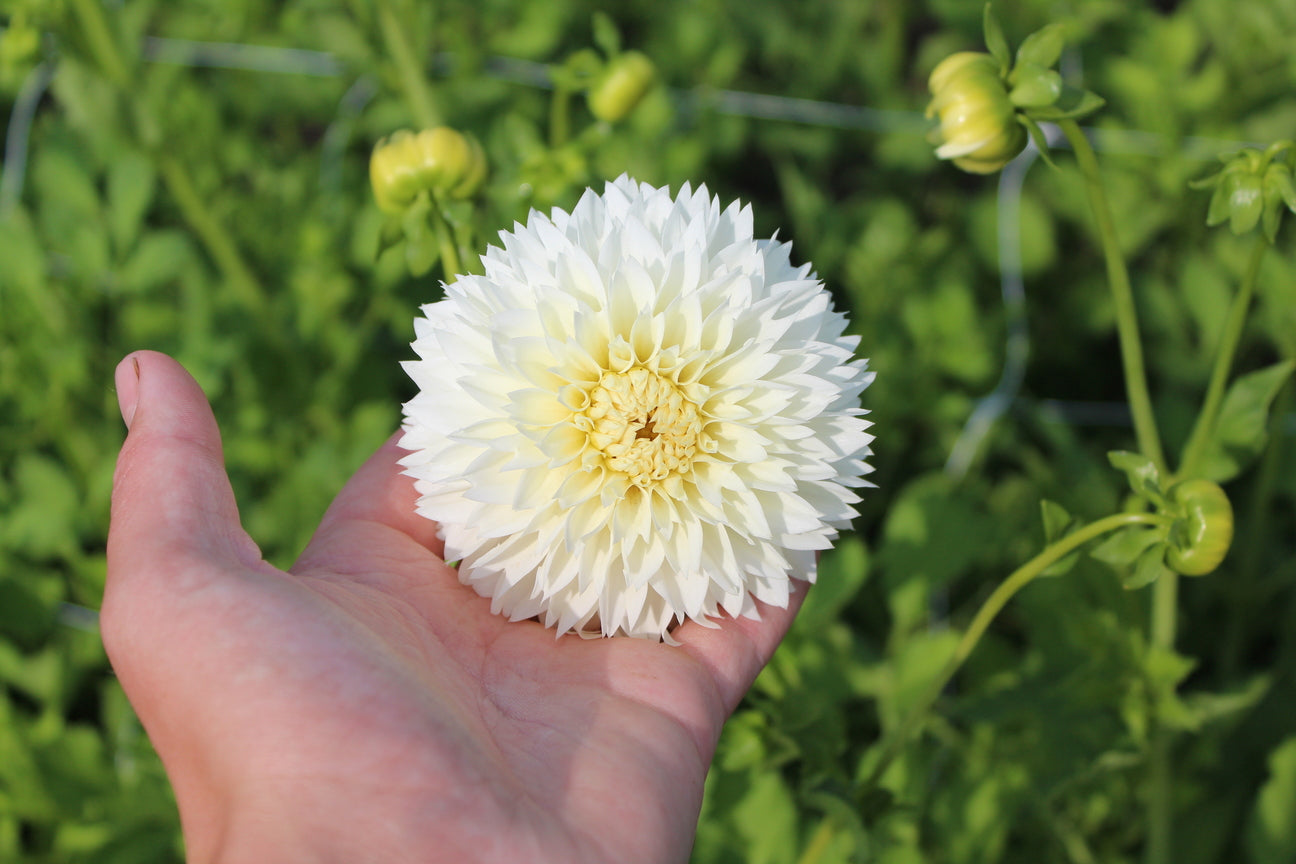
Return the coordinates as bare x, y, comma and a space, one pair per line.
441, 161
624, 83
978, 129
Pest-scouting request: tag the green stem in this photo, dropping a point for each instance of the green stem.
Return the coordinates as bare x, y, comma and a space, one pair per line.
560, 117
1229, 339
1122, 298
446, 241
1160, 814
417, 90
1018, 579
102, 42
818, 844
211, 231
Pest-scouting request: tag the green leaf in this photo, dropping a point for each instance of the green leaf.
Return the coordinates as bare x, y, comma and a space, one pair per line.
1219, 203
1034, 86
765, 818
131, 183
996, 42
160, 257
1043, 47
842, 572
577, 71
25, 617
390, 232
1151, 566
1057, 524
421, 253
606, 35
1242, 428
62, 183
1230, 704
1245, 201
742, 745
1144, 479
1056, 520
22, 257
1271, 830
1124, 547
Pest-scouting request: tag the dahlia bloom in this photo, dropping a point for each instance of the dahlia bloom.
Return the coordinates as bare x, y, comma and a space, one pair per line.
638, 414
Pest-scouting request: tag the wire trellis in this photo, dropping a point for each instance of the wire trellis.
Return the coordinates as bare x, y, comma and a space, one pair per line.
1017, 346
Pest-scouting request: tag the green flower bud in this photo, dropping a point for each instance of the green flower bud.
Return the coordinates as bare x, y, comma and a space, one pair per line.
1253, 188
624, 82
1203, 528
978, 130
441, 161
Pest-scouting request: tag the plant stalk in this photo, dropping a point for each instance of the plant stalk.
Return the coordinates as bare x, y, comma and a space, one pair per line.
418, 93
102, 42
1234, 324
446, 242
220, 245
1018, 579
560, 117
1145, 428
819, 842
1160, 814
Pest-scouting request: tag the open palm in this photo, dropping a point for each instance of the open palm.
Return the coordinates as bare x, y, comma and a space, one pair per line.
365, 706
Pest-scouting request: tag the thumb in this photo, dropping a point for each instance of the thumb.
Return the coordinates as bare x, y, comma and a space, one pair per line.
172, 500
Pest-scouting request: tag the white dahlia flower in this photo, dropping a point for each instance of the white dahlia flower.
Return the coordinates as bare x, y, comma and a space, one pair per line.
638, 414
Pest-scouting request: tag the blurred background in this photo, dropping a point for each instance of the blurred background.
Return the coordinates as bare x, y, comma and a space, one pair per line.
192, 177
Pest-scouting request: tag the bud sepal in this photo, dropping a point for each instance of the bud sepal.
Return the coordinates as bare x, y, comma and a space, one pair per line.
989, 103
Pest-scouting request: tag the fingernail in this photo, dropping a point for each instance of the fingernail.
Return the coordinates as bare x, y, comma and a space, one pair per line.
127, 380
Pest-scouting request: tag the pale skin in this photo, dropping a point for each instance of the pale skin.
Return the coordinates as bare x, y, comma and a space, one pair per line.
364, 706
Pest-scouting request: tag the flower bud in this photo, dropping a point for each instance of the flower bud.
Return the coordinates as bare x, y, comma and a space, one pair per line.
978, 122
1203, 528
623, 84
441, 161
1254, 187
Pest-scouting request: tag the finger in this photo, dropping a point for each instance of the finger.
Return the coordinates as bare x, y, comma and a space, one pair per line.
736, 651
171, 496
377, 494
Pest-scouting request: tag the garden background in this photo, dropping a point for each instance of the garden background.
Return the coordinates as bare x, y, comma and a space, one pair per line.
193, 177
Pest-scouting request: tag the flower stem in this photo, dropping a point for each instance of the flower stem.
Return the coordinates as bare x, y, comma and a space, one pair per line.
1160, 814
102, 42
819, 842
1229, 339
1122, 298
417, 91
1018, 579
209, 229
446, 240
560, 117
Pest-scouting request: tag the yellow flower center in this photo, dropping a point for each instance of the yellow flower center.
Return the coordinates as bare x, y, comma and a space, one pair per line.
642, 424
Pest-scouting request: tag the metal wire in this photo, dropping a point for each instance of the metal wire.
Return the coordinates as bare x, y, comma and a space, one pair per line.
13, 171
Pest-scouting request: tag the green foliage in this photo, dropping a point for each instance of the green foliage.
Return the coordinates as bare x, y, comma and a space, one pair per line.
224, 215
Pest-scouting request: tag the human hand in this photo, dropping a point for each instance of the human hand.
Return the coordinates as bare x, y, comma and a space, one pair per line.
366, 706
